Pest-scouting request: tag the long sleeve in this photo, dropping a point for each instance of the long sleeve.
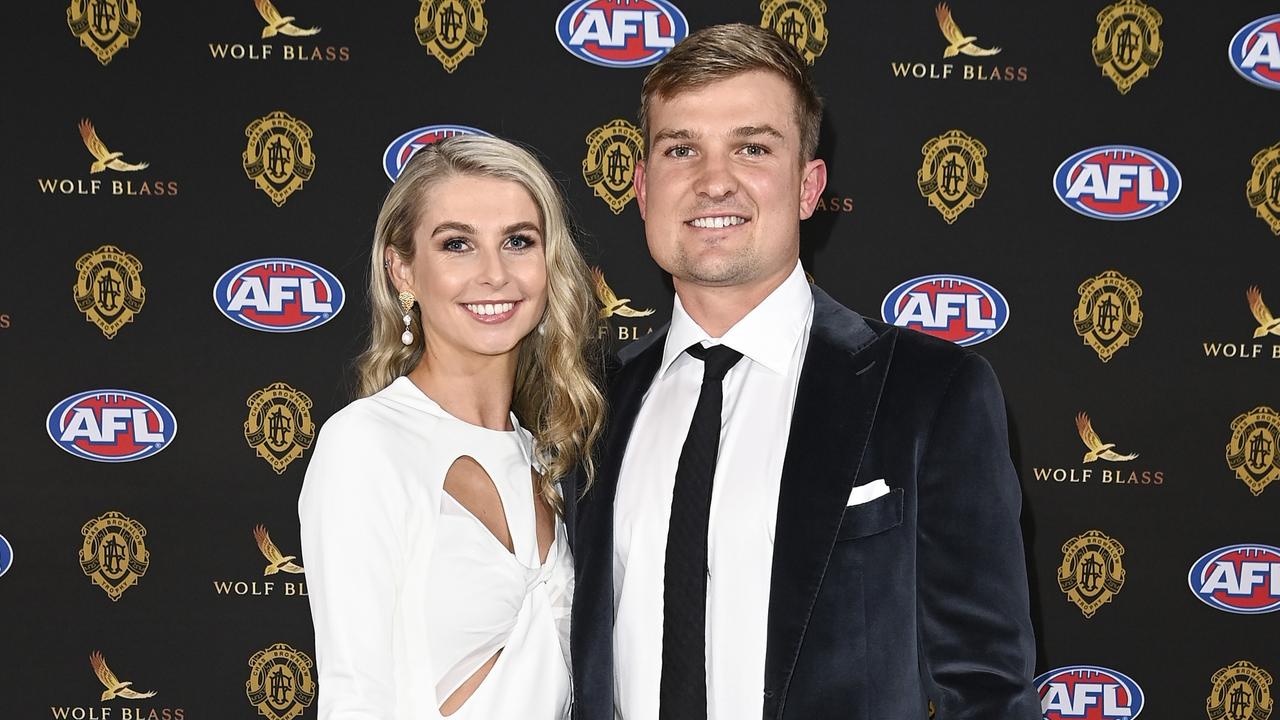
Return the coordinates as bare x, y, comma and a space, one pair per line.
976, 633
353, 516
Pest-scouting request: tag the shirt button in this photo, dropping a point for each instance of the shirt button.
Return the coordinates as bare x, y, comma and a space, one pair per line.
768, 694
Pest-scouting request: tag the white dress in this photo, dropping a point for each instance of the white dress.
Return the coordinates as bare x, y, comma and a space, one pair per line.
410, 593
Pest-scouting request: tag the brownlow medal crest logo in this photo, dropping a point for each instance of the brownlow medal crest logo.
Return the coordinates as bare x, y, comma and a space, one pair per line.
279, 426
1263, 188
280, 683
802, 23
1108, 315
1091, 572
1253, 452
953, 175
104, 26
1127, 45
114, 554
1241, 691
278, 157
109, 289
451, 30
610, 164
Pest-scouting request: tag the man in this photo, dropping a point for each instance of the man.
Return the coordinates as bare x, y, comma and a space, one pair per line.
799, 512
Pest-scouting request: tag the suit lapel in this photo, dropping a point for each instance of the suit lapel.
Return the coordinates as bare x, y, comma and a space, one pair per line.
839, 389
592, 620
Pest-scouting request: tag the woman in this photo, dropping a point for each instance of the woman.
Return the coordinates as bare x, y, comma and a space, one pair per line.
438, 570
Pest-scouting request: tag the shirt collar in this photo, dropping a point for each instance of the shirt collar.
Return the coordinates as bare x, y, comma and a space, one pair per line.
767, 335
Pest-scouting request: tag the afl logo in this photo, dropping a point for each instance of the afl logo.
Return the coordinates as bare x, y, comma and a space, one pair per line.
1241, 579
278, 295
620, 34
1117, 182
6, 555
111, 425
952, 307
1255, 52
404, 147
1088, 691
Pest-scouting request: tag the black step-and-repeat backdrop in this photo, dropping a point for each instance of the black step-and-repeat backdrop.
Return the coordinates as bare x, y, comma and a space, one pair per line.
1088, 192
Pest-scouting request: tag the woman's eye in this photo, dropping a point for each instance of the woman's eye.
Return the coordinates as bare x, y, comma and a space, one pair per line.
455, 245
520, 242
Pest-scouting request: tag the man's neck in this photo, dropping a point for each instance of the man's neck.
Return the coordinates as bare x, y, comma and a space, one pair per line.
716, 309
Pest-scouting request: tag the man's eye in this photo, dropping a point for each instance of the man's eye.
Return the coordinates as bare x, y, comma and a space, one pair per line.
680, 151
756, 150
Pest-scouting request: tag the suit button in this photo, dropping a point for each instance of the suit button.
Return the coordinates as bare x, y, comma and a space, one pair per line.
768, 694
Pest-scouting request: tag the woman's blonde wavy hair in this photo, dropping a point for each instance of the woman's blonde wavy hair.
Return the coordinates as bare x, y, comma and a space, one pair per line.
556, 392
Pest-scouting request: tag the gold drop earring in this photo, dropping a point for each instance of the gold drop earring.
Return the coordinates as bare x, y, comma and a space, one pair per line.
406, 301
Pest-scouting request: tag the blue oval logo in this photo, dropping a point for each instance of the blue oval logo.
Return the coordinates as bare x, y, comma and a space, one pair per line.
6, 556
1255, 52
960, 309
279, 295
1117, 182
1243, 579
1088, 691
111, 425
397, 154
621, 35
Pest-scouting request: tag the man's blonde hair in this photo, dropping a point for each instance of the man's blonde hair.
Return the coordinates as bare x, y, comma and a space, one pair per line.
720, 52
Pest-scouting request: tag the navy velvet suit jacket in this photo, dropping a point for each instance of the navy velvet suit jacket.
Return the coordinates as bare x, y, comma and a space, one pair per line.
877, 609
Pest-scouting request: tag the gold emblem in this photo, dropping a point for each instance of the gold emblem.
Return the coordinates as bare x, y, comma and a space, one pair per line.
1128, 42
957, 41
102, 157
1091, 572
109, 288
953, 175
609, 302
279, 25
1263, 188
278, 158
1267, 324
114, 554
801, 23
1097, 448
279, 425
277, 561
1253, 452
104, 26
451, 30
1241, 691
1108, 315
610, 164
114, 688
280, 683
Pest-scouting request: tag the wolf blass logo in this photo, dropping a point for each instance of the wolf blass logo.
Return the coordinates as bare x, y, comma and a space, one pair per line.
277, 562
611, 306
115, 689
105, 159
275, 25
1120, 472
957, 43
1266, 327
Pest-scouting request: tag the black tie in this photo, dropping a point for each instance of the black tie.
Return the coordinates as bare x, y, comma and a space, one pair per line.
683, 692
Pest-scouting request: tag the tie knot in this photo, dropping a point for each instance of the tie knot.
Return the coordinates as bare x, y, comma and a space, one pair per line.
716, 360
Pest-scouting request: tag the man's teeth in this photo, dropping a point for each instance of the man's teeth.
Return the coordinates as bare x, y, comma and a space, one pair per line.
717, 222
489, 308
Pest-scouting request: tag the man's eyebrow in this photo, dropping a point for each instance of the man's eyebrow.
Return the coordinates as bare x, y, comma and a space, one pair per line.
673, 135
453, 226
753, 130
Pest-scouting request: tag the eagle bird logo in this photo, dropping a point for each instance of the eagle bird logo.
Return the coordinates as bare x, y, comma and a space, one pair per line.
279, 561
959, 42
613, 305
104, 158
115, 688
1097, 448
1266, 323
277, 24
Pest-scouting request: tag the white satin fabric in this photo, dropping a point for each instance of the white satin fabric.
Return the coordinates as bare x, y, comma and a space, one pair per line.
409, 592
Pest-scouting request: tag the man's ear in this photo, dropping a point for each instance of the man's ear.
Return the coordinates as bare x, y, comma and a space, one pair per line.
637, 182
812, 183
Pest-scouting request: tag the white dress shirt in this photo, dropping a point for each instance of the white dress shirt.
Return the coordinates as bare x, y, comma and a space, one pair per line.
759, 394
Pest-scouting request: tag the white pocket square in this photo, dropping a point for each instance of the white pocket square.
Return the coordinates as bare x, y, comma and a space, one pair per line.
868, 492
